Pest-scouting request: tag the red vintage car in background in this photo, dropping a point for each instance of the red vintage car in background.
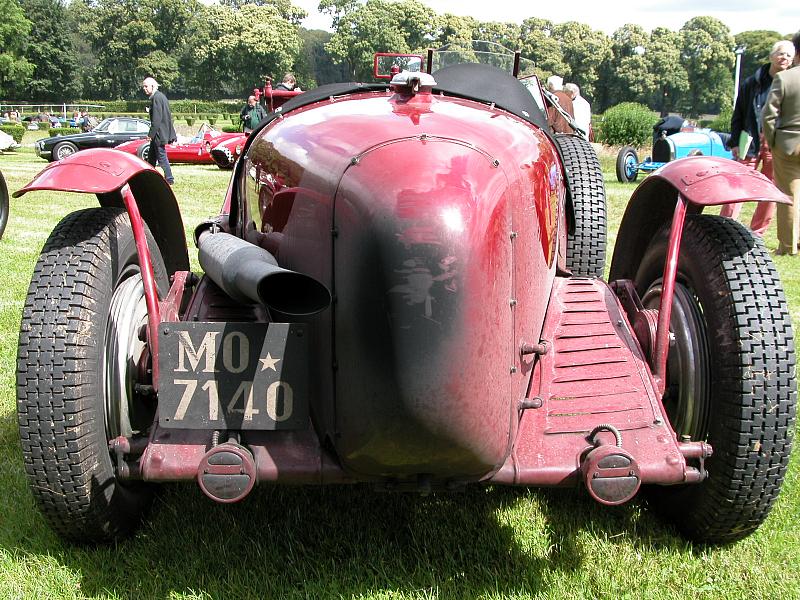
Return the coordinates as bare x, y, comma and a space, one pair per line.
196, 149
404, 287
225, 154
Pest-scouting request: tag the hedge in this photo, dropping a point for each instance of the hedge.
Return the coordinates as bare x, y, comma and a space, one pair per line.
15, 131
64, 130
627, 124
179, 106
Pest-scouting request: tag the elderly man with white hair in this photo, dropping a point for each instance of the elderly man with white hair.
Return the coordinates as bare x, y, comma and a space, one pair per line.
583, 111
162, 130
747, 137
555, 119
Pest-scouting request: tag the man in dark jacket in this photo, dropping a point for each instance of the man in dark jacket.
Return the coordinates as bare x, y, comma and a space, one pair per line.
747, 119
252, 114
162, 131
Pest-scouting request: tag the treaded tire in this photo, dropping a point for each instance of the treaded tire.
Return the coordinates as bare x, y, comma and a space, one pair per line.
143, 151
63, 150
4, 205
586, 246
745, 389
626, 156
61, 376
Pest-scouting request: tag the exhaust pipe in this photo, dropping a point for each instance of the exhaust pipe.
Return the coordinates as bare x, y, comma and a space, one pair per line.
248, 273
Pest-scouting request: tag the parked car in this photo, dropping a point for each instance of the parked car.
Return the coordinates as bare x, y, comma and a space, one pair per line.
7, 142
672, 139
196, 149
472, 339
109, 133
226, 153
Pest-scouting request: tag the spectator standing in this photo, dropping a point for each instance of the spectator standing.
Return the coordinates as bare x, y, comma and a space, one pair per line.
85, 121
558, 123
252, 114
746, 120
289, 84
162, 131
582, 108
781, 122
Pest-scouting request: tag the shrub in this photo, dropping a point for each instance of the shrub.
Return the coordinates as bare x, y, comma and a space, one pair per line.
15, 131
723, 120
64, 130
212, 120
44, 125
231, 129
190, 121
627, 124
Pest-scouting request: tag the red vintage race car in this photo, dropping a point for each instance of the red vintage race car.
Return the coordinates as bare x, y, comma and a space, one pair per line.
404, 286
196, 149
225, 154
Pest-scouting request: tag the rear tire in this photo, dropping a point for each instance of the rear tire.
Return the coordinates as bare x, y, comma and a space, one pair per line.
627, 163
78, 346
730, 375
586, 246
4, 205
63, 150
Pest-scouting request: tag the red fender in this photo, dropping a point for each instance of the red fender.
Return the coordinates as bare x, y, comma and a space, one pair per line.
702, 181
104, 172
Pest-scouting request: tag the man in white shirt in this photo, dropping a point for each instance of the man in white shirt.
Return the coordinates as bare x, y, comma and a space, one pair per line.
583, 111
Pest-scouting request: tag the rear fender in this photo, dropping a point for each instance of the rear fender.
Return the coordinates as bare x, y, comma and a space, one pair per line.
702, 181
104, 172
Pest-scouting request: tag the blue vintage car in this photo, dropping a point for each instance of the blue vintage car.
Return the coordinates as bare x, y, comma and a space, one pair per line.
670, 143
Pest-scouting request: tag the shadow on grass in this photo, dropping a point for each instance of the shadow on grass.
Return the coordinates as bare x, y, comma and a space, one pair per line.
342, 541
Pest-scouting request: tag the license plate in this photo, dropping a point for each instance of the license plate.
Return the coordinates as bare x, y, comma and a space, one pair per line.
233, 376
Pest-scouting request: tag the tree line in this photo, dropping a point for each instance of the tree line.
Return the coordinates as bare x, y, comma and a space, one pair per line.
62, 50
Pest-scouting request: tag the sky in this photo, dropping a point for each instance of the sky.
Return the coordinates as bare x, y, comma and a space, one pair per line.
738, 15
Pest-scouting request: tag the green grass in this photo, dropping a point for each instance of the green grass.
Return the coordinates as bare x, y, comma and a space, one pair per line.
354, 542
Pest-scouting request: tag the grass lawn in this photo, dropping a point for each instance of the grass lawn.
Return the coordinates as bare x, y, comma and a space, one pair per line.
352, 542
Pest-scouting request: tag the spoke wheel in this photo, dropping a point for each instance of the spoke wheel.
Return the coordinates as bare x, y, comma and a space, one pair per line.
78, 361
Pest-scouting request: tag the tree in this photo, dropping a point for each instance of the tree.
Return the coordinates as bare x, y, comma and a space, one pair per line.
670, 78
49, 49
757, 46
236, 49
707, 53
584, 50
314, 66
133, 39
539, 44
285, 8
625, 75
15, 70
379, 26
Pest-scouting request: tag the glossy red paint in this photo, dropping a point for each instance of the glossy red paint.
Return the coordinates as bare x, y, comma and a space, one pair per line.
226, 153
423, 264
702, 181
709, 180
97, 171
189, 150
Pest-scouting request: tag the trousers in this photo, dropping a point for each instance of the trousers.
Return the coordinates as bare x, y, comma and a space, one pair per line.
765, 211
787, 178
158, 156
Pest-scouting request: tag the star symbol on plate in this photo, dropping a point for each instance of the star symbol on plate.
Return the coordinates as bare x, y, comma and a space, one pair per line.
268, 362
